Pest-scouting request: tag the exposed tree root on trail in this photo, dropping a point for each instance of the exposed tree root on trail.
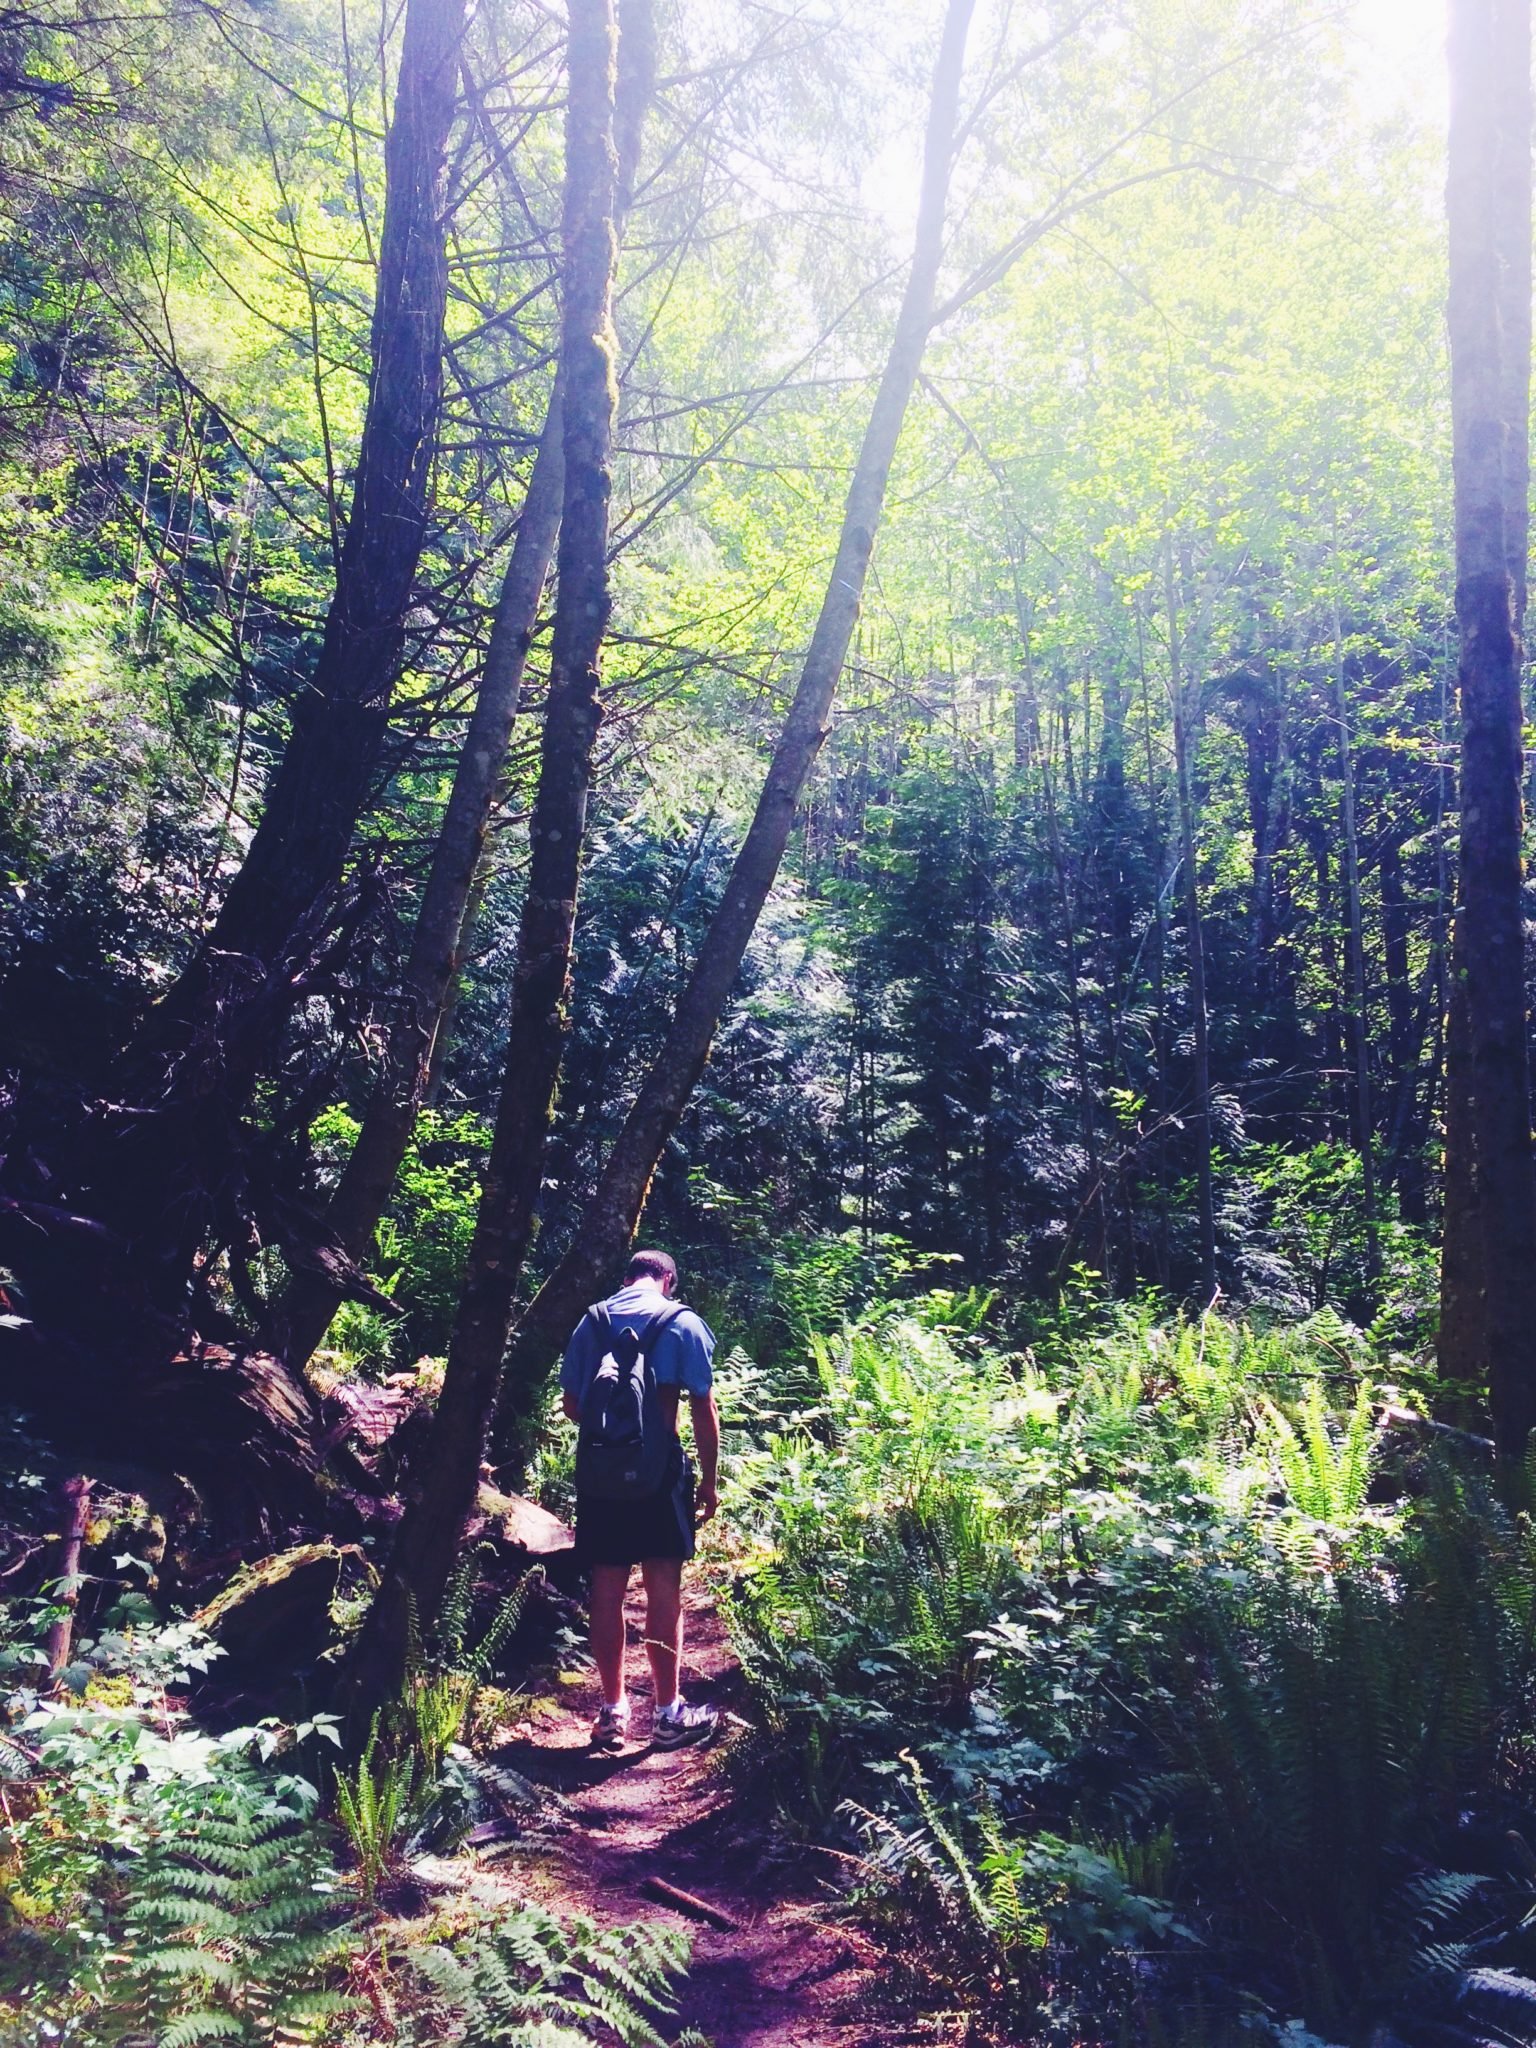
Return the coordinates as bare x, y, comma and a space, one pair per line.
793, 1973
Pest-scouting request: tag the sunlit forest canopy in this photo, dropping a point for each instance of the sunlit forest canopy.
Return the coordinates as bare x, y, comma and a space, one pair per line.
1183, 409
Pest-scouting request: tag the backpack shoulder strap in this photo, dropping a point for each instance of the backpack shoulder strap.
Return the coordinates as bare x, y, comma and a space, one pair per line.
661, 1320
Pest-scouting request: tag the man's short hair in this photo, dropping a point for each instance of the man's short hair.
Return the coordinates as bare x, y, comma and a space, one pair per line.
657, 1266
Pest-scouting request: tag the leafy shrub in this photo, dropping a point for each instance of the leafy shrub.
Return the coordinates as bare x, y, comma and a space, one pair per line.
1329, 1732
164, 1887
1142, 1646
889, 1548
981, 1906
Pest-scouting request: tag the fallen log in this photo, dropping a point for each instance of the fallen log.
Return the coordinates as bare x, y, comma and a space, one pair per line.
276, 1615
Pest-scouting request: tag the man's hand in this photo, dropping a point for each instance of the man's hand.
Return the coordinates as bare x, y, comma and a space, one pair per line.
706, 1441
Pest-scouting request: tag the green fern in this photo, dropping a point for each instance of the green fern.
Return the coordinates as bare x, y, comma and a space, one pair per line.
531, 1981
231, 1928
479, 1661
977, 1913
16, 1760
1322, 1726
376, 1803
1326, 1477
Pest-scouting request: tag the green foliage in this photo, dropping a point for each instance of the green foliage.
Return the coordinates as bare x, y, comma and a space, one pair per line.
1326, 1474
477, 1660
377, 1804
161, 1885
421, 1241
1147, 1656
981, 1906
234, 1927
1323, 1727
164, 1886
411, 1784
531, 1981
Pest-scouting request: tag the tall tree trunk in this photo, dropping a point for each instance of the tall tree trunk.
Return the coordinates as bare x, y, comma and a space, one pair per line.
1070, 899
433, 962
1365, 1136
1489, 204
612, 1214
1160, 1034
415, 1052
221, 1024
1195, 933
1410, 1013
428, 1538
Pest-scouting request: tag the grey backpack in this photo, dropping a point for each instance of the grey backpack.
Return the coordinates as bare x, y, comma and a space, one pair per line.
624, 1445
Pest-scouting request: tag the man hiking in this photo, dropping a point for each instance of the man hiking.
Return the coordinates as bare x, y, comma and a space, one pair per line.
629, 1361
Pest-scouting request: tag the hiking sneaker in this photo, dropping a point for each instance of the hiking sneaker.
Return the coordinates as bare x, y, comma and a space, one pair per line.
611, 1728
678, 1724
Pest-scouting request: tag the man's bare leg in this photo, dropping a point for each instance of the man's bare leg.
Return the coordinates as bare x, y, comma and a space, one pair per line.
609, 1583
663, 1624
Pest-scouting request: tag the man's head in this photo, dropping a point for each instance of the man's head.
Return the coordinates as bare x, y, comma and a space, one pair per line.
654, 1266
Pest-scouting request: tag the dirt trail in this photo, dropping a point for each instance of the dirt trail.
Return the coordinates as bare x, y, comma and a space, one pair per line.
790, 1975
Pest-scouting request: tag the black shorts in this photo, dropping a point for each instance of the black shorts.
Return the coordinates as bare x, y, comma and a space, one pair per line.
631, 1531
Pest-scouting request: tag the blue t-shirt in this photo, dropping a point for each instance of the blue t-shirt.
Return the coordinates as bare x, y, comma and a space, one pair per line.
682, 1355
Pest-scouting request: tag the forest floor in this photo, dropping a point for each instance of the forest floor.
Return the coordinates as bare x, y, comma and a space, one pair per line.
791, 1970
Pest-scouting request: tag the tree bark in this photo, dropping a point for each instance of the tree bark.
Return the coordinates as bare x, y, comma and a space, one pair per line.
1411, 1013
75, 1503
417, 1044
1489, 205
220, 1025
613, 1212
430, 1531
435, 956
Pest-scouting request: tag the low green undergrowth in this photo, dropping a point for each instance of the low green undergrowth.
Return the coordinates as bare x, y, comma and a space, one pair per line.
161, 1885
1179, 1690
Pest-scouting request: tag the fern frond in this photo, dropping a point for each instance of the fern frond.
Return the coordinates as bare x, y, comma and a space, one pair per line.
482, 1659
1506, 1987
201, 2026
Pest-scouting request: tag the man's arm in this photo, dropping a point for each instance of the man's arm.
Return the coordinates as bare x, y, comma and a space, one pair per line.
706, 1441
575, 1366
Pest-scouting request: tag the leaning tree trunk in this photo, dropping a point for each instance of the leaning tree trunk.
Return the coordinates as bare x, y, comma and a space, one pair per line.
415, 1050
352, 1215
109, 1358
611, 1216
1491, 1323
430, 1532
220, 1027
